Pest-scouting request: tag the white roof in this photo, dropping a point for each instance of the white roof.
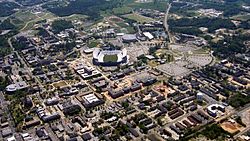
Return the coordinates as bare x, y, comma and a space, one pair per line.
16, 86
120, 34
11, 138
24, 135
112, 119
100, 54
129, 37
149, 56
210, 107
199, 93
91, 98
148, 35
96, 52
89, 50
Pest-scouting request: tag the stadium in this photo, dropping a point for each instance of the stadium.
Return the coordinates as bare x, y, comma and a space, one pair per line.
109, 57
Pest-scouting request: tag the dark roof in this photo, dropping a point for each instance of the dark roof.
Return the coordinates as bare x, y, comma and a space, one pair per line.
115, 94
86, 137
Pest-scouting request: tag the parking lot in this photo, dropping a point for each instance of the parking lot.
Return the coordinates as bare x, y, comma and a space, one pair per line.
173, 69
200, 60
183, 48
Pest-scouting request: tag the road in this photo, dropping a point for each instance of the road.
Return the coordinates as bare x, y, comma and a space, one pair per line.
4, 106
165, 22
14, 1
247, 107
27, 68
35, 20
51, 133
242, 132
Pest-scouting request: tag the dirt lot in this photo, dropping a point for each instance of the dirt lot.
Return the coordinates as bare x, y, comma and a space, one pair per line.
163, 89
230, 127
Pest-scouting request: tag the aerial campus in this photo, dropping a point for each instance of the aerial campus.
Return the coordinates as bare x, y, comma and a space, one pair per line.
121, 70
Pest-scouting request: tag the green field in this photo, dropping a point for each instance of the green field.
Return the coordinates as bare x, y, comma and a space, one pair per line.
122, 10
159, 5
110, 58
75, 17
19, 19
30, 24
25, 16
25, 20
125, 28
138, 18
241, 17
93, 44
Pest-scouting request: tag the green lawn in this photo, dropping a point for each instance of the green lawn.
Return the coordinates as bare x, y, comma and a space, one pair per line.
122, 10
25, 16
75, 17
110, 58
160, 5
138, 18
128, 29
93, 44
241, 17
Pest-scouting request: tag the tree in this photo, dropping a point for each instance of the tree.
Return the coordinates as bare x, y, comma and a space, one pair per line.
61, 25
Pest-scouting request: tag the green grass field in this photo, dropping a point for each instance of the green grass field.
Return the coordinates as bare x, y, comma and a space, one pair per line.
75, 17
122, 10
110, 58
25, 16
241, 17
125, 28
93, 44
138, 18
25, 20
160, 5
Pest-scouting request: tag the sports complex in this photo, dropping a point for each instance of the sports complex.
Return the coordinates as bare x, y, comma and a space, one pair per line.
109, 57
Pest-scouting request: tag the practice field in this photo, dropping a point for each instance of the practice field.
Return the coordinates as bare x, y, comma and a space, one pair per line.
110, 58
138, 18
59, 84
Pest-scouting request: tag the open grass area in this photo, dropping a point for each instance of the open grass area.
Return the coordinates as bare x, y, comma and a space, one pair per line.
59, 84
110, 58
160, 5
241, 17
75, 17
19, 19
25, 20
93, 44
152, 63
138, 18
25, 16
128, 28
122, 10
44, 16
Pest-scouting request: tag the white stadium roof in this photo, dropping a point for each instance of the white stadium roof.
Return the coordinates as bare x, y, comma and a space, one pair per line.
99, 54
